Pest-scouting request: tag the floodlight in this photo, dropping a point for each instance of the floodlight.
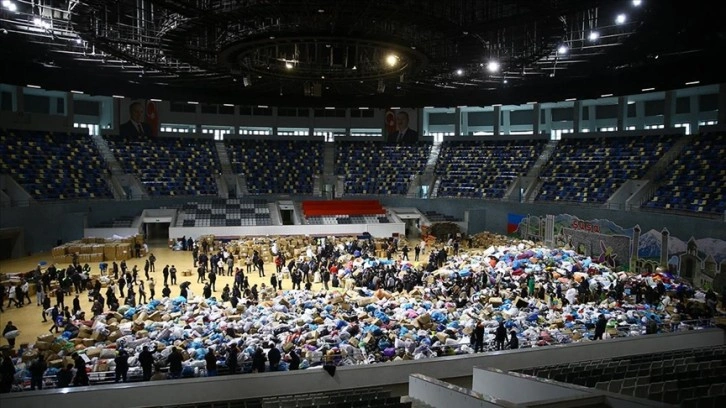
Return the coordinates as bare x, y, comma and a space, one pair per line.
562, 49
620, 19
392, 60
594, 35
493, 66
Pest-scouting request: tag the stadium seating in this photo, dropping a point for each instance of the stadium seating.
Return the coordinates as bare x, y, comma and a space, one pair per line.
484, 169
54, 166
344, 212
377, 168
695, 181
221, 212
276, 167
694, 377
120, 222
169, 166
590, 170
359, 397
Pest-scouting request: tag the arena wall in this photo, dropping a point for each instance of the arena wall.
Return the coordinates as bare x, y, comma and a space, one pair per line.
45, 225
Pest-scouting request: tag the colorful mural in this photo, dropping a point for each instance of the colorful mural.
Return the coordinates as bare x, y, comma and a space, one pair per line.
702, 261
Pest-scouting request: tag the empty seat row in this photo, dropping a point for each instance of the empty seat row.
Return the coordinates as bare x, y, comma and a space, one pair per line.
54, 166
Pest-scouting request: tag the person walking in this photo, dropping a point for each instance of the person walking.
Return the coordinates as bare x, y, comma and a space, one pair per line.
10, 333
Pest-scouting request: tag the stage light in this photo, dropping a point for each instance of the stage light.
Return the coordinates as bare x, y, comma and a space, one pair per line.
493, 66
637, 3
620, 19
10, 5
392, 60
594, 35
562, 49
459, 72
288, 65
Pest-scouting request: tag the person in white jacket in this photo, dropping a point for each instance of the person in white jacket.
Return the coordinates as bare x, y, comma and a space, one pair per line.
571, 295
26, 295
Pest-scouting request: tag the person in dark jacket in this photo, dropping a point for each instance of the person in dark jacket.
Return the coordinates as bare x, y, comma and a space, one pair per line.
7, 374
9, 328
500, 336
232, 359
211, 359
37, 369
81, 377
175, 363
513, 340
274, 356
294, 360
122, 365
258, 361
64, 376
600, 327
479, 338
146, 360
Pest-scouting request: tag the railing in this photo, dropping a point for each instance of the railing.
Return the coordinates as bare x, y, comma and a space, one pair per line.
686, 329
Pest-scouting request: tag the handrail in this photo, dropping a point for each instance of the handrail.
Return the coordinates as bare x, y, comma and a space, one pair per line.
135, 374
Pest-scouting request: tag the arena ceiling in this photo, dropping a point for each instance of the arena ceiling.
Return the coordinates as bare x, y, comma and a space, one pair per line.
360, 52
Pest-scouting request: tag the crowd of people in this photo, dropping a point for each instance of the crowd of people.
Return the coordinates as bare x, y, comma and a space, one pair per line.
448, 277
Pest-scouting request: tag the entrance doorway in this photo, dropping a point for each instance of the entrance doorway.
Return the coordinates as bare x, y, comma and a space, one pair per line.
11, 243
287, 218
157, 232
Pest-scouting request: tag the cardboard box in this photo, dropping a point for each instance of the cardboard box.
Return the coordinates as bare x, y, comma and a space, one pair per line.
59, 250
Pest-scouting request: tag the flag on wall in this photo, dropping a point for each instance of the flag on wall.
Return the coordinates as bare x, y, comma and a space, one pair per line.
152, 118
390, 123
513, 221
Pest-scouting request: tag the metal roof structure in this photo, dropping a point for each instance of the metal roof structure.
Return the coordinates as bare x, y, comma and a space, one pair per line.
360, 52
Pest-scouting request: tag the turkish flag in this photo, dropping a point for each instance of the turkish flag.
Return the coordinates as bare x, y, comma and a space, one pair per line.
152, 118
390, 125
